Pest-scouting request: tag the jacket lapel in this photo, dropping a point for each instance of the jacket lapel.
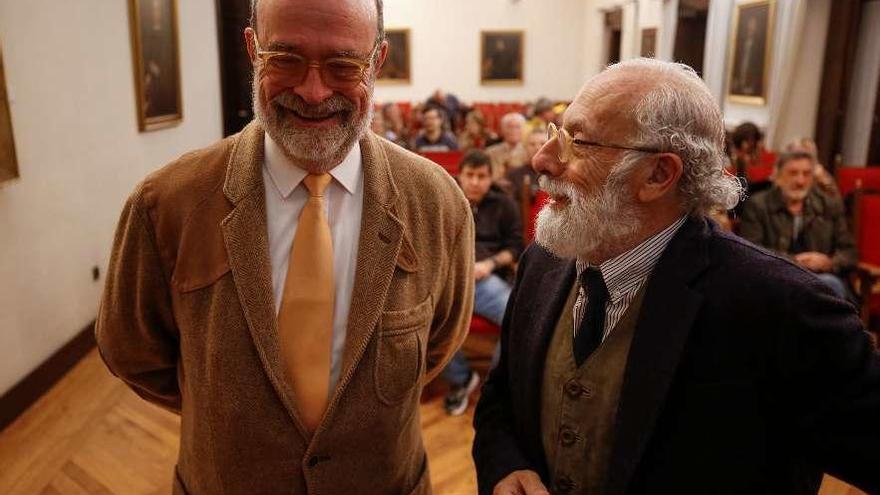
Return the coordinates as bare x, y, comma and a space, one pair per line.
381, 237
247, 245
668, 312
544, 312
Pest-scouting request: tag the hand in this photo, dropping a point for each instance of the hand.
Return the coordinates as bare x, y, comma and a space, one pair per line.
483, 269
814, 261
525, 482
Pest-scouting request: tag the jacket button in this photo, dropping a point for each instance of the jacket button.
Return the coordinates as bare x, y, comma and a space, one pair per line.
563, 484
568, 437
573, 389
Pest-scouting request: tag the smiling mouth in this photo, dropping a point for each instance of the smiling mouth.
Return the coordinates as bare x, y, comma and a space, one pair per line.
310, 118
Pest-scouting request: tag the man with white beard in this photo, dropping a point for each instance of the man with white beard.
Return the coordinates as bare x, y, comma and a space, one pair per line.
644, 350
289, 290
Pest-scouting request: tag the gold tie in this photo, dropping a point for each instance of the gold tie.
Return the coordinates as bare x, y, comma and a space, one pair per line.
305, 320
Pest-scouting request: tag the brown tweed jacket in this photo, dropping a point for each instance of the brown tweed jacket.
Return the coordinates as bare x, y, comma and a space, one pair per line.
188, 321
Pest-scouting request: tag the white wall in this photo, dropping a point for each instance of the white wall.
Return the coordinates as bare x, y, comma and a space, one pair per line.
70, 81
637, 15
445, 47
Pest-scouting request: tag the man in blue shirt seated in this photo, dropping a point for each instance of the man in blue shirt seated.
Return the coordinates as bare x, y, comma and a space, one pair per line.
433, 136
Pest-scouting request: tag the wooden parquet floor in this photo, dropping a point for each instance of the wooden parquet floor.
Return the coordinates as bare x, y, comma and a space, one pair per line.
92, 435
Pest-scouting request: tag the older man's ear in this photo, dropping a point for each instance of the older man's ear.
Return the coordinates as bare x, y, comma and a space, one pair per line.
661, 178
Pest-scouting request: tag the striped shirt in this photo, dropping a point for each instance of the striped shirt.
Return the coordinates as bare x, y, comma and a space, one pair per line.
624, 275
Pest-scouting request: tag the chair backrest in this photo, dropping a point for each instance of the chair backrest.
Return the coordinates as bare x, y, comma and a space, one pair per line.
759, 173
848, 177
867, 226
446, 159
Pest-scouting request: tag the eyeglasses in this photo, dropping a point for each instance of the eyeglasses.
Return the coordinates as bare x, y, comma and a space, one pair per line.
566, 143
290, 69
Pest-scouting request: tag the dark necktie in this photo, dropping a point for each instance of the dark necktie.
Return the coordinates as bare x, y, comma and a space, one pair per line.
589, 334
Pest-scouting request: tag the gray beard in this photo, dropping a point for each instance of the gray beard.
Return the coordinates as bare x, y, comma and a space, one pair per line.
314, 150
587, 226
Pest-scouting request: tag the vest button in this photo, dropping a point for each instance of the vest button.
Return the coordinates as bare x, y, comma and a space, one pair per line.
568, 437
573, 389
563, 485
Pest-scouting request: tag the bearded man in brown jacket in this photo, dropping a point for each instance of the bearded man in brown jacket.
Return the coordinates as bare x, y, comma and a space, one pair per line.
289, 289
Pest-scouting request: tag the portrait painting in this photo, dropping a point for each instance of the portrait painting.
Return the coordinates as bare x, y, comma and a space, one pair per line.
501, 57
750, 45
396, 66
8, 161
156, 63
649, 42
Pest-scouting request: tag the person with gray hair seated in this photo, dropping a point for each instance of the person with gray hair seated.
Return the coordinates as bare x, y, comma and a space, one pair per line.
510, 152
644, 350
798, 221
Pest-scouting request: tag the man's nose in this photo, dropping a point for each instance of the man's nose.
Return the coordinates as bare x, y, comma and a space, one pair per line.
312, 89
546, 160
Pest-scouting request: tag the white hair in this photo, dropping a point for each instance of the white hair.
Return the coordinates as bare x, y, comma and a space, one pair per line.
512, 117
679, 115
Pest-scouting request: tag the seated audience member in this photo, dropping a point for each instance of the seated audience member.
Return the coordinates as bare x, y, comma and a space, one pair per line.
450, 105
796, 220
512, 182
543, 114
433, 136
395, 128
509, 153
824, 181
475, 135
498, 236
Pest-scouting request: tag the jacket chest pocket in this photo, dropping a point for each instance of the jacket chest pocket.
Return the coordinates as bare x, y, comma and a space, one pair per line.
400, 351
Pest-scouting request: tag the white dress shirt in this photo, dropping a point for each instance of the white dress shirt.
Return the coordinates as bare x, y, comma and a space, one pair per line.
624, 275
344, 201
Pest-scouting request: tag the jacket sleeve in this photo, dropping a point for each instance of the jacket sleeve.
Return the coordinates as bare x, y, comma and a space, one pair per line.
845, 256
750, 227
455, 301
496, 451
830, 386
135, 328
511, 228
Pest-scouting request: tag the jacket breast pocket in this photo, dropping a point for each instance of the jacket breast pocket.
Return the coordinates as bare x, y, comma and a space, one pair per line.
400, 351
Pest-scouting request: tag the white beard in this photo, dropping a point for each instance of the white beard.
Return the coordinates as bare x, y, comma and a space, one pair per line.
317, 150
587, 225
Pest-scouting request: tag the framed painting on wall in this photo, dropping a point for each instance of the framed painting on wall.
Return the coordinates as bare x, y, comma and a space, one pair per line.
501, 57
8, 161
156, 57
750, 50
396, 66
649, 42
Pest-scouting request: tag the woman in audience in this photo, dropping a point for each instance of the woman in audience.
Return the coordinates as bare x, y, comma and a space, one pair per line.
475, 135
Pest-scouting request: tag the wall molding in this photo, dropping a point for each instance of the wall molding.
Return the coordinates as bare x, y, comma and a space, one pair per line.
30, 388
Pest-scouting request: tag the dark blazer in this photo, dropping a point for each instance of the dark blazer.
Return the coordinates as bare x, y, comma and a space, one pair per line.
745, 376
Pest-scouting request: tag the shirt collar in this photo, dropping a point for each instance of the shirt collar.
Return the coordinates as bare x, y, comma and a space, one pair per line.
286, 176
627, 270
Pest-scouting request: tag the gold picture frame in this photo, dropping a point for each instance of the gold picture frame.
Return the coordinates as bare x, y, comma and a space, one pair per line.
750, 51
396, 69
8, 160
501, 57
156, 56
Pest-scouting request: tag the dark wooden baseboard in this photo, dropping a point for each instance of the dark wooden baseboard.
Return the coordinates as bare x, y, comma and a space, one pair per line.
20, 397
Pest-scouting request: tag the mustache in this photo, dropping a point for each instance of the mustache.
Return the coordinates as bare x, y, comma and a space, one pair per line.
556, 187
294, 102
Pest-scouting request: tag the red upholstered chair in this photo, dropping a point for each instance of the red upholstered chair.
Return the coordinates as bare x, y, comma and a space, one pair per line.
848, 177
446, 159
767, 158
482, 326
866, 226
759, 173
